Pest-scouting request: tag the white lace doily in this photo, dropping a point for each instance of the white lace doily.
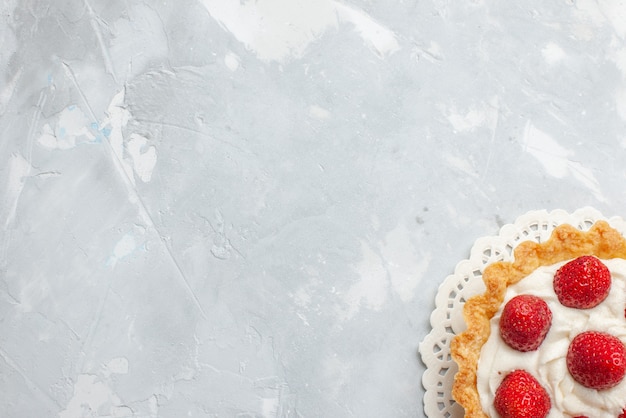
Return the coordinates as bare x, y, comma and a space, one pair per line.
447, 318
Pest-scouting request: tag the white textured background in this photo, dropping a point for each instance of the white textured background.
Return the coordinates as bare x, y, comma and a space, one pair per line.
243, 208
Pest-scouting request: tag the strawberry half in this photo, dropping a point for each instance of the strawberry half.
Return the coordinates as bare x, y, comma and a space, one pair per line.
521, 396
582, 283
524, 322
596, 360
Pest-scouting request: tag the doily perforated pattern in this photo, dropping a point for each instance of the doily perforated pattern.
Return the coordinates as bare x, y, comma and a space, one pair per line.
447, 318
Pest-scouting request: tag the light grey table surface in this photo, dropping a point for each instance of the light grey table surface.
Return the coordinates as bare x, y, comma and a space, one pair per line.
239, 208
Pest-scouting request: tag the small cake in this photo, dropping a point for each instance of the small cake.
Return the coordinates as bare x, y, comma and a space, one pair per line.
546, 338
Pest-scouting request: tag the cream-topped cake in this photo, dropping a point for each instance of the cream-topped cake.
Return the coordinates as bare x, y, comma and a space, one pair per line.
548, 362
547, 337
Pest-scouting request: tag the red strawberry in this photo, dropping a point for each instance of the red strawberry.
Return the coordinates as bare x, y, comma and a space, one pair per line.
524, 322
582, 283
521, 396
596, 360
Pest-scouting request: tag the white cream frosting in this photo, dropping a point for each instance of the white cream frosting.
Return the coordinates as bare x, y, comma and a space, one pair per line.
547, 364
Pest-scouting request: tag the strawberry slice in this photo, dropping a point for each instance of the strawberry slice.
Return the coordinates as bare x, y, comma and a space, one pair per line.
582, 283
521, 396
596, 360
524, 322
